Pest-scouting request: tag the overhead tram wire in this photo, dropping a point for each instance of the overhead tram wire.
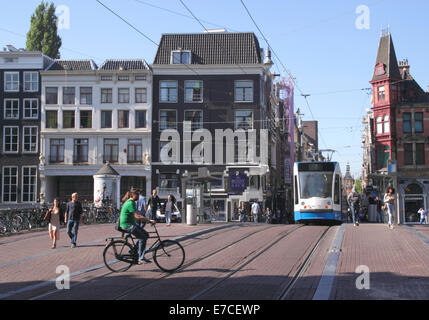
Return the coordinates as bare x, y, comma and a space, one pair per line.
140, 32
129, 24
181, 14
284, 67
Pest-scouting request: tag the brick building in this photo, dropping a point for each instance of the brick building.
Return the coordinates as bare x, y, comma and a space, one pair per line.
401, 130
20, 90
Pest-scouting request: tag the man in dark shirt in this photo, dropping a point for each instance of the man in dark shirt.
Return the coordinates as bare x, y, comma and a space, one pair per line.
73, 217
153, 203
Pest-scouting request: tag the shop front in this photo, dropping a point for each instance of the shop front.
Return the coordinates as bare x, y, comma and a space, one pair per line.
414, 198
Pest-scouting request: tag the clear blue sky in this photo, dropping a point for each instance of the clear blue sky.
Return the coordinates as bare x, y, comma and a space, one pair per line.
317, 41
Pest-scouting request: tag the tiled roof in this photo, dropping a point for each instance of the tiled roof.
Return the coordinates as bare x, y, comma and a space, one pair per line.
73, 65
126, 64
107, 170
386, 55
211, 48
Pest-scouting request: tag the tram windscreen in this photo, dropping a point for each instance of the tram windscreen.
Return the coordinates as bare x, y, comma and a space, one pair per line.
315, 184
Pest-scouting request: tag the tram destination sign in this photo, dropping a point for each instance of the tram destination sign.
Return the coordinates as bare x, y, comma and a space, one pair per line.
316, 166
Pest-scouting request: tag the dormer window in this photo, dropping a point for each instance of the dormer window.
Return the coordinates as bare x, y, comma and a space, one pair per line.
181, 57
379, 69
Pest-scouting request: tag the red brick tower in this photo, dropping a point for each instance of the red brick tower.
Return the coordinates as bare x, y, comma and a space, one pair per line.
386, 95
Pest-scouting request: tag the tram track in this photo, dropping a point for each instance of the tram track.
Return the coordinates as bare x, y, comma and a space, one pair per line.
247, 260
303, 267
101, 266
197, 260
163, 275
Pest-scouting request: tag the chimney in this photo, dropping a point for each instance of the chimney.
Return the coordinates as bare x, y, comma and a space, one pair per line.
268, 62
404, 66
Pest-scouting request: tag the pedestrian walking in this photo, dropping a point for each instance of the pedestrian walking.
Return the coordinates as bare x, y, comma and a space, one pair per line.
255, 211
423, 215
141, 207
242, 212
168, 209
278, 216
73, 217
53, 217
380, 215
353, 200
153, 203
268, 215
389, 204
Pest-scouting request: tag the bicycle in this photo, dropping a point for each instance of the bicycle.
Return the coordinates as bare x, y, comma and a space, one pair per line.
121, 254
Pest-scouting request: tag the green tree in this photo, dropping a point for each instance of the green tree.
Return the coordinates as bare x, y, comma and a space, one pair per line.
358, 185
43, 31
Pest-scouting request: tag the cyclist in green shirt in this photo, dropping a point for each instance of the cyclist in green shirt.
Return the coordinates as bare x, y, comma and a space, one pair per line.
127, 222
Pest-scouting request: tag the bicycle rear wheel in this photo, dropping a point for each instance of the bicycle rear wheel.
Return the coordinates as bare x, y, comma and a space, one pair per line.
119, 256
169, 255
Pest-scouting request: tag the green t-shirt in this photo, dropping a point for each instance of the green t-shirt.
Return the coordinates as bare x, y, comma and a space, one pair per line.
127, 218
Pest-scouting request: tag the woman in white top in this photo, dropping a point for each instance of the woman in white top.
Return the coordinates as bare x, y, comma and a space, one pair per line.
389, 201
53, 216
168, 210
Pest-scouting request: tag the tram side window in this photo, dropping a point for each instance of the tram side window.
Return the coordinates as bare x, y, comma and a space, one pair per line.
337, 190
296, 191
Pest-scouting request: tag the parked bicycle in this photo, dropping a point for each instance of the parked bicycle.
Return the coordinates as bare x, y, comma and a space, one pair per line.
121, 254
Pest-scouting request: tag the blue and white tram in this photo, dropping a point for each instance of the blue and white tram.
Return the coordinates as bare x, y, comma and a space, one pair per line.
317, 192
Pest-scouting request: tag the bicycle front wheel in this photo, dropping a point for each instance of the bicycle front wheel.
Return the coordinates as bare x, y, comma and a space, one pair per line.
119, 256
169, 255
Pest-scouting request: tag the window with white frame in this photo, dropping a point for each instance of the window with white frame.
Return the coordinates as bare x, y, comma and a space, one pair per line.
134, 151
31, 108
86, 95
123, 95
106, 119
10, 139
10, 184
11, 81
51, 95
140, 117
244, 119
123, 118
51, 119
31, 81
141, 95
193, 91
386, 124
29, 140
244, 91
181, 57
69, 94
56, 151
11, 108
379, 125
106, 95
381, 92
29, 186
168, 91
